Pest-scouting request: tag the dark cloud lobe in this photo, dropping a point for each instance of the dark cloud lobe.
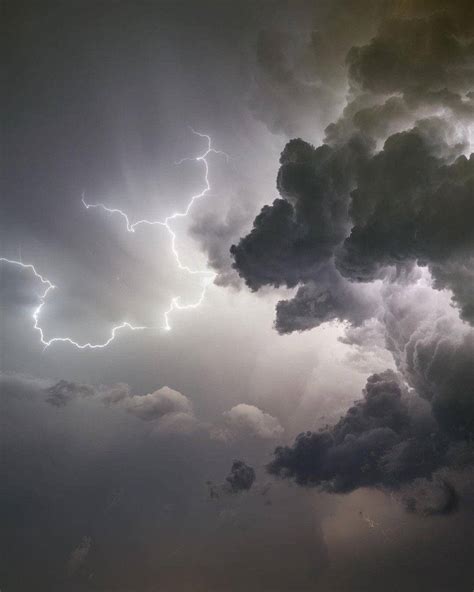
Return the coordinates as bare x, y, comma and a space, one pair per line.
411, 206
330, 297
293, 241
380, 441
297, 234
63, 392
417, 55
241, 476
387, 439
299, 79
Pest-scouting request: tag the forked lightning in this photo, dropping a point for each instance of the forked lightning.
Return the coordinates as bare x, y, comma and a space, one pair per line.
131, 227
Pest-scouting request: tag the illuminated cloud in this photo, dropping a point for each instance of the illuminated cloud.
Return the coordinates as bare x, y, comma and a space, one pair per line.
245, 420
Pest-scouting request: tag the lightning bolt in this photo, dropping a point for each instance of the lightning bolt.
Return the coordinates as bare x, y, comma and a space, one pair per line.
175, 303
210, 276
48, 287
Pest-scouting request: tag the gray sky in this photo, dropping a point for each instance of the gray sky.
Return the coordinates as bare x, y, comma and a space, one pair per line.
352, 287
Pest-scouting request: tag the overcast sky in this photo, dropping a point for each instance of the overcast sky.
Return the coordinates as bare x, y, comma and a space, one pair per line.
334, 296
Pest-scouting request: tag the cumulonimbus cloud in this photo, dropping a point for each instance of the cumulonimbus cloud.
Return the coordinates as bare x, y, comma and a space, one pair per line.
389, 193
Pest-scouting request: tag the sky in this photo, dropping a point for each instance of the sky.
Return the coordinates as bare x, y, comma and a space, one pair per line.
237, 296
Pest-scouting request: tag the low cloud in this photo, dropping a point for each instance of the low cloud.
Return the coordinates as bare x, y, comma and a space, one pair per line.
166, 408
158, 404
379, 441
245, 420
240, 478
393, 437
63, 391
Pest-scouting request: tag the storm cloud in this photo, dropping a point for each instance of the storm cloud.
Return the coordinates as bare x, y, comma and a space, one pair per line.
387, 196
403, 205
384, 439
366, 210
361, 231
408, 207
240, 478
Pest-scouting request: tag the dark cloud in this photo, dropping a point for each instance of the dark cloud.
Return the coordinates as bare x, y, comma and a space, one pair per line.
386, 438
370, 115
399, 199
417, 54
417, 65
63, 391
377, 210
90, 499
293, 238
411, 206
299, 76
445, 374
419, 51
408, 426
330, 297
380, 117
431, 497
240, 478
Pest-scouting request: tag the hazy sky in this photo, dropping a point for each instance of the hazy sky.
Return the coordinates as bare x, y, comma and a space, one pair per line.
337, 248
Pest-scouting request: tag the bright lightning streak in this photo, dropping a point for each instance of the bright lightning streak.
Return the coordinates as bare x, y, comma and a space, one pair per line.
174, 304
202, 158
166, 222
48, 288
